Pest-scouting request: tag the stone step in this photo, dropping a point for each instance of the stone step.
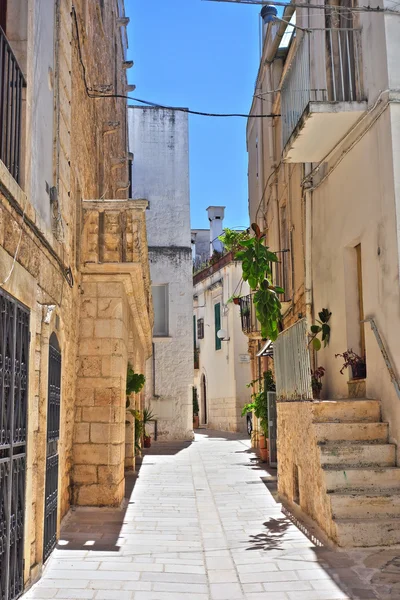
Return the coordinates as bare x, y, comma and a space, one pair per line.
352, 432
365, 532
350, 454
365, 504
353, 411
364, 478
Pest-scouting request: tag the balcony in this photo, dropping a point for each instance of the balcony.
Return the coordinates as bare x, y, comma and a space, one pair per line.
11, 84
321, 94
250, 324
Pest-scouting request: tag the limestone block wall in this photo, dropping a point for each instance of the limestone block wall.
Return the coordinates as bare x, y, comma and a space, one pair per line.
224, 414
298, 451
99, 435
79, 148
38, 281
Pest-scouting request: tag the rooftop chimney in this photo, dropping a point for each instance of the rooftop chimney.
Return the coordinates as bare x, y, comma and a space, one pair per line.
216, 217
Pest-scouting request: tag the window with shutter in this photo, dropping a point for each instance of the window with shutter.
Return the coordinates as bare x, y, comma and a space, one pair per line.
217, 319
200, 329
160, 303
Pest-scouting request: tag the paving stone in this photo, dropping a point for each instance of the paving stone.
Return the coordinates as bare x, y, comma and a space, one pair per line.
226, 591
198, 527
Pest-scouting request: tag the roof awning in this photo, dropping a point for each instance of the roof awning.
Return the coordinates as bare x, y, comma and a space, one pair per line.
267, 349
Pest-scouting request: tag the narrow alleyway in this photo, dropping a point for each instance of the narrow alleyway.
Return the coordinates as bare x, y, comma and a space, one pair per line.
201, 524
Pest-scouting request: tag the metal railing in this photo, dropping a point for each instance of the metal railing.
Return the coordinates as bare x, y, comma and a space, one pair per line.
326, 68
292, 364
250, 323
11, 83
393, 377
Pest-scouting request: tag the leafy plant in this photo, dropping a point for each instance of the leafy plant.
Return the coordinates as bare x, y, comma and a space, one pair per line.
259, 404
316, 382
323, 328
134, 381
257, 271
148, 416
231, 239
195, 402
353, 360
215, 257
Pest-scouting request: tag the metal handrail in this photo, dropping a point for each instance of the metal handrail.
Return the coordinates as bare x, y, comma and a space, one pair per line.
11, 83
385, 354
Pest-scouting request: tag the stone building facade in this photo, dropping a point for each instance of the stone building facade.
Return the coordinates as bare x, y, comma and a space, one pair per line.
74, 277
159, 142
222, 367
323, 184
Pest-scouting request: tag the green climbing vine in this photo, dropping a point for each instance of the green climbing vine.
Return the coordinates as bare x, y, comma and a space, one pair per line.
257, 262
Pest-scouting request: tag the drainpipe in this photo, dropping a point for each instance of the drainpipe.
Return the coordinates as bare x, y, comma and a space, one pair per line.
261, 167
308, 250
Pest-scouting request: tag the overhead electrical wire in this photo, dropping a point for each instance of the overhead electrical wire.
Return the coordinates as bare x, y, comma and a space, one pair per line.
367, 9
93, 94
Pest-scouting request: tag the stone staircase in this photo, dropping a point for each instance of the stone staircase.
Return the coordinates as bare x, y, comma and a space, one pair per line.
360, 472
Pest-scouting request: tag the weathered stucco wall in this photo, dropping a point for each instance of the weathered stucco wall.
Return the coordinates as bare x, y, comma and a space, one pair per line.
169, 387
226, 371
358, 205
158, 139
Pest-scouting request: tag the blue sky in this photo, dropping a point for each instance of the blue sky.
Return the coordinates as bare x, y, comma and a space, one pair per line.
201, 55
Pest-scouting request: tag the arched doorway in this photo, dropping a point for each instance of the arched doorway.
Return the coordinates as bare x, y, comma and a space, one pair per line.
53, 434
203, 400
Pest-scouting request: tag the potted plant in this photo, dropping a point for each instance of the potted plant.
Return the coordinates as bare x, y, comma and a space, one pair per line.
356, 362
134, 384
196, 420
316, 382
147, 417
259, 406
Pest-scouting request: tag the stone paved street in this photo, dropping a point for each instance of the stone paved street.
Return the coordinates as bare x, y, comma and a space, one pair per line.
201, 524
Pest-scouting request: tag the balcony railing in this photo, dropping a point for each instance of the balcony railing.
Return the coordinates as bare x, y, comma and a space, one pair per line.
11, 84
250, 324
326, 68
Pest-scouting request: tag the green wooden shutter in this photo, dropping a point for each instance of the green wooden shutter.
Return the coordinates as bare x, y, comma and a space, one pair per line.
217, 317
194, 330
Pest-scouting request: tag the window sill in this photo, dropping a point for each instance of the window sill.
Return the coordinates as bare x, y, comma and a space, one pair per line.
161, 338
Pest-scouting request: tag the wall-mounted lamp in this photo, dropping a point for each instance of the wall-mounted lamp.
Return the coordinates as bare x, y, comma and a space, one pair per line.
222, 335
270, 14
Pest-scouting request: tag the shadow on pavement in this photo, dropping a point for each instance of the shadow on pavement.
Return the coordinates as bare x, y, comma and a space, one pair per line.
273, 537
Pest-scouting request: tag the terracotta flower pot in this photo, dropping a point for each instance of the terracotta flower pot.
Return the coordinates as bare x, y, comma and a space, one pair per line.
236, 301
262, 442
196, 421
147, 441
264, 454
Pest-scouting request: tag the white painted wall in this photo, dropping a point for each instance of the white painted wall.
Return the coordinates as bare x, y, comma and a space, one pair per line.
158, 139
224, 370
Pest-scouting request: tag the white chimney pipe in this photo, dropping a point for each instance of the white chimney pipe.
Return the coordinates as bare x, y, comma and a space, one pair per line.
216, 217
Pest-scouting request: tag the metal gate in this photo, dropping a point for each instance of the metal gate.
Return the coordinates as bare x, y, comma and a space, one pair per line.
53, 434
272, 428
14, 357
